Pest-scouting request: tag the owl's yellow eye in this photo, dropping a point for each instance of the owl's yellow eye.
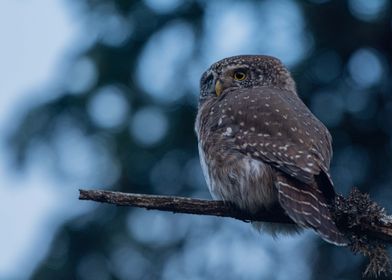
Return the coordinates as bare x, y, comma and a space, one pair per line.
239, 76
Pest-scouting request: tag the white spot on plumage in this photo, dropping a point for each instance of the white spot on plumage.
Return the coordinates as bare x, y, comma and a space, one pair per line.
307, 169
228, 131
284, 147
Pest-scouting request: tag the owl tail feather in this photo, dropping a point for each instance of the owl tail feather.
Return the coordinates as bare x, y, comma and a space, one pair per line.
307, 206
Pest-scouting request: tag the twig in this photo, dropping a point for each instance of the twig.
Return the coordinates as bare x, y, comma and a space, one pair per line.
363, 221
186, 205
380, 229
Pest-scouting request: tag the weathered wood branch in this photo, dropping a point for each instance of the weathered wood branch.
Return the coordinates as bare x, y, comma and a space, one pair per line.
363, 221
378, 227
178, 204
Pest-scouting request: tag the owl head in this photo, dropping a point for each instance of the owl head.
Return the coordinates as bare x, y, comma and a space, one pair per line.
244, 71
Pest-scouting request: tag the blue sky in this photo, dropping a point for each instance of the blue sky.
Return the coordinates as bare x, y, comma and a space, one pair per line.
35, 36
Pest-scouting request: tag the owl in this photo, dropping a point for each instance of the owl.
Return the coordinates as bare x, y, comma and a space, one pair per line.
260, 147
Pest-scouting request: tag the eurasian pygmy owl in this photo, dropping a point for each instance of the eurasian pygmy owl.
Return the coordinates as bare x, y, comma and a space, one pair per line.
260, 146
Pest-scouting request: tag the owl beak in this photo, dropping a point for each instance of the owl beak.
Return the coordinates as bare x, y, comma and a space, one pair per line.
218, 88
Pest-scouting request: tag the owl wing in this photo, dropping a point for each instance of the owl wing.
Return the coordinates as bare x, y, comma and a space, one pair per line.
276, 127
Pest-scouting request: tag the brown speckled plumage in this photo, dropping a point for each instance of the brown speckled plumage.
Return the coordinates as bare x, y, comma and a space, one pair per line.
260, 146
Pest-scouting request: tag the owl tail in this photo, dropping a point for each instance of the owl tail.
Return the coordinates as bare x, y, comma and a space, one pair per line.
307, 206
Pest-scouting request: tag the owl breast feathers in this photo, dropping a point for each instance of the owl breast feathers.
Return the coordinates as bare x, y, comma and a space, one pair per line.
261, 147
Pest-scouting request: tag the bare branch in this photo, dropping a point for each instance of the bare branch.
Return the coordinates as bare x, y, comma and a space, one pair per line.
379, 228
186, 205
363, 221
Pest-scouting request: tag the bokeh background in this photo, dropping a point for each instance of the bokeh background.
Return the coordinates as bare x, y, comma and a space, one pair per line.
103, 94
